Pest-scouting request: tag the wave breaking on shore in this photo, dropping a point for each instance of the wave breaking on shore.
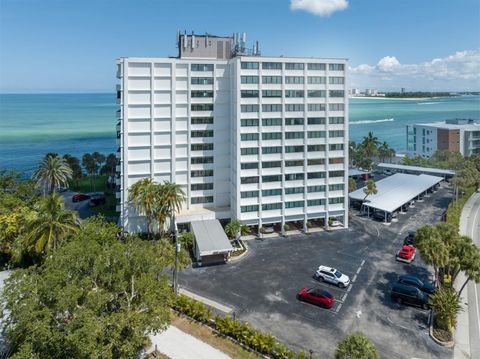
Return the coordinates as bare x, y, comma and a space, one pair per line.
371, 121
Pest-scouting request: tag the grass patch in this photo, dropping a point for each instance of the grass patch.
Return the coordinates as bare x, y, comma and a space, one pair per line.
208, 336
85, 184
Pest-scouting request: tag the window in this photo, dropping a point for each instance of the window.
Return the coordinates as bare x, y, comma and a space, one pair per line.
336, 147
248, 180
336, 80
206, 93
249, 122
249, 194
315, 202
335, 133
268, 150
206, 133
294, 93
316, 66
316, 80
336, 93
201, 173
271, 65
201, 186
271, 121
249, 108
336, 67
336, 173
271, 192
271, 93
249, 166
316, 120
201, 146
294, 204
244, 209
294, 190
316, 134
294, 66
294, 79
202, 80
249, 65
316, 93
293, 107
249, 136
315, 148
197, 160
198, 200
201, 67
249, 93
315, 175
271, 206
335, 200
272, 178
249, 79
336, 187
335, 161
271, 79
202, 120
336, 107
336, 120
293, 163
249, 151
294, 121
294, 177
201, 106
272, 108
272, 136
316, 107
312, 189
294, 135
271, 164
316, 161
293, 149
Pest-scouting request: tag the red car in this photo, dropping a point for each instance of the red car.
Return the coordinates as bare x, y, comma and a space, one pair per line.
316, 296
80, 197
406, 254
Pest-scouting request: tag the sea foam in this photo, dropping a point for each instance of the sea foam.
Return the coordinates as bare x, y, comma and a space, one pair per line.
371, 121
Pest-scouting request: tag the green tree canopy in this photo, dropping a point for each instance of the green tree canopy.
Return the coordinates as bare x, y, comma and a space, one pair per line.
370, 188
52, 172
356, 346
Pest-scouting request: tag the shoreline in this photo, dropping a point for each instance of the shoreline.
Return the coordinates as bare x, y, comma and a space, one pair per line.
397, 98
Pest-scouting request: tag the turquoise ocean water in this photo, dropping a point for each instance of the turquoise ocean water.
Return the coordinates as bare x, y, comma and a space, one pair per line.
32, 125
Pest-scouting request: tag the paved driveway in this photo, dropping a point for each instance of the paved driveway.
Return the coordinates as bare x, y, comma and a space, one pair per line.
262, 287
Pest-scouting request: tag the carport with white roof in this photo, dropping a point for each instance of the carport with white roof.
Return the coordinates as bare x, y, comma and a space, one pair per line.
211, 242
396, 191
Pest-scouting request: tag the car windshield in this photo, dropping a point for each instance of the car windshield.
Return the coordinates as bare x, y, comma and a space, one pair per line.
337, 274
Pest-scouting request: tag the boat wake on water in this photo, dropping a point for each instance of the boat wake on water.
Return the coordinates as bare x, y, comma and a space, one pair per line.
429, 103
371, 121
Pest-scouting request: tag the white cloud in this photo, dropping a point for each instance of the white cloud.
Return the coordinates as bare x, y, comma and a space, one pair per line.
460, 71
319, 7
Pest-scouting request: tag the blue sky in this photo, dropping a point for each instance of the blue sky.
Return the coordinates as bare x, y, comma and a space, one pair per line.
71, 46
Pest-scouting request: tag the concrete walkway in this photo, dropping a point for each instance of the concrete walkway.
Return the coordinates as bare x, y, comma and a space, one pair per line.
180, 345
467, 334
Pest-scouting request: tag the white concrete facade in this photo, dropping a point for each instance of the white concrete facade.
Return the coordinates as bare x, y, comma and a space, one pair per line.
260, 139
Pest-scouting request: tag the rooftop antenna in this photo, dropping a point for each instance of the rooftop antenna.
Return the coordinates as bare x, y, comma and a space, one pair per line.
206, 39
193, 40
178, 37
185, 39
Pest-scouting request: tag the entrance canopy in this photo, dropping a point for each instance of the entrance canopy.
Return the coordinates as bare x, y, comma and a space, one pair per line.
210, 237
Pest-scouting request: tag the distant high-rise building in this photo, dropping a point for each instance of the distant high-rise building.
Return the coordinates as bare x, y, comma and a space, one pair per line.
249, 137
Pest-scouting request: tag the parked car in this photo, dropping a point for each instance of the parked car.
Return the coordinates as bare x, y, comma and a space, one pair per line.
317, 296
79, 197
408, 294
417, 282
406, 254
409, 239
411, 203
356, 204
387, 173
332, 275
380, 216
268, 229
336, 223
97, 199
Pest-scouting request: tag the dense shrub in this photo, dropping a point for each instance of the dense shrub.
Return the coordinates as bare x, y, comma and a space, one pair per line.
192, 308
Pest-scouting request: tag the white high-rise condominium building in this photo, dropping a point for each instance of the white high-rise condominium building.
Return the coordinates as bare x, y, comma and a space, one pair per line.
260, 139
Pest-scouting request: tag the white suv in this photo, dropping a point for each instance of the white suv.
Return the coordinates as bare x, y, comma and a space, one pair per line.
332, 275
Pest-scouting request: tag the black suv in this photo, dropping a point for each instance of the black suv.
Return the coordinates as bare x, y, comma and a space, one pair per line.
409, 240
402, 293
417, 282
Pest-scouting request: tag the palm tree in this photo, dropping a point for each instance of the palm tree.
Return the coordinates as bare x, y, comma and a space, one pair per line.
52, 224
385, 151
171, 198
370, 144
445, 303
432, 250
471, 266
356, 345
52, 172
370, 188
143, 196
352, 185
235, 228
91, 166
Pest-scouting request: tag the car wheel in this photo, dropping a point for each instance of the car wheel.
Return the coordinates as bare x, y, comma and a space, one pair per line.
320, 279
424, 306
399, 300
341, 285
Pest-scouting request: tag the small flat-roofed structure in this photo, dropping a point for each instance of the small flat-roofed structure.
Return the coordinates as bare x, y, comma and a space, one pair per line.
396, 191
355, 172
211, 243
417, 170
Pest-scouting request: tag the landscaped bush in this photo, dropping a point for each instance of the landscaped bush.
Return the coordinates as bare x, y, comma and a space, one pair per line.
454, 210
287, 227
192, 308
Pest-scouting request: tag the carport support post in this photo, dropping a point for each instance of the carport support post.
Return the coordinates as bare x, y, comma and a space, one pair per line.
282, 230
305, 227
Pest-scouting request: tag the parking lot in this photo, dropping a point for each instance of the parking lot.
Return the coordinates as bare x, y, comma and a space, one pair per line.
262, 287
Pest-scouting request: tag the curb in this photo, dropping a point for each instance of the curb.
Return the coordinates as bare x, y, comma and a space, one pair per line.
449, 344
237, 258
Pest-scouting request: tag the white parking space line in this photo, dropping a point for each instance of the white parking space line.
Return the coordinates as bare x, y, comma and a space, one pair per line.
363, 262
331, 310
338, 308
354, 278
329, 286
